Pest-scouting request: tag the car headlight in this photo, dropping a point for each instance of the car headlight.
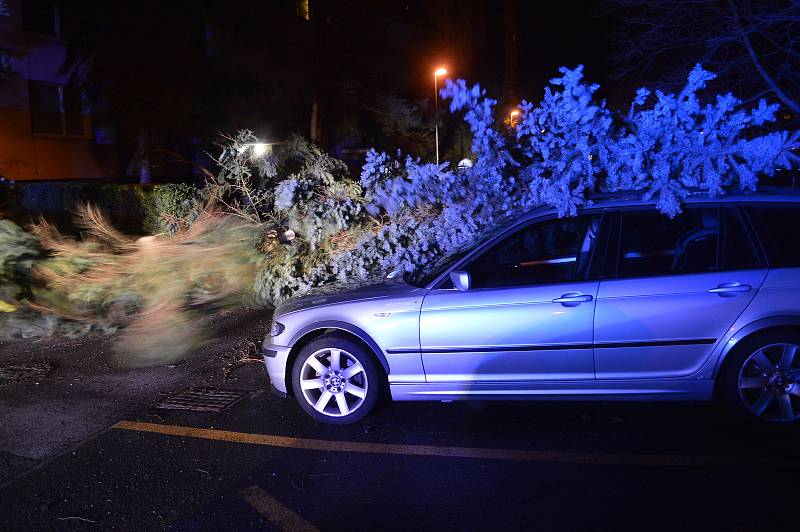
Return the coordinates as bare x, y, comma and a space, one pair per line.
275, 328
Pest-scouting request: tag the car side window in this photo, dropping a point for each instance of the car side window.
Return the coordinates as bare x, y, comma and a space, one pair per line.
547, 252
653, 244
777, 229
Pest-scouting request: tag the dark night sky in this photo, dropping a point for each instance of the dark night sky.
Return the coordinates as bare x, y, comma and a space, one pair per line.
565, 33
552, 34
256, 64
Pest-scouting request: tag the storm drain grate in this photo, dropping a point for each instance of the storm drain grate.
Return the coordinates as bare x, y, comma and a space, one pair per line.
203, 399
10, 374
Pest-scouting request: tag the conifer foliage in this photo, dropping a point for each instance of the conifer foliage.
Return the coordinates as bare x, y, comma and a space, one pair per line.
562, 150
288, 219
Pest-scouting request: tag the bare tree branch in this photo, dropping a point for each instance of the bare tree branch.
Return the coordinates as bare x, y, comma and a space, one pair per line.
751, 46
790, 103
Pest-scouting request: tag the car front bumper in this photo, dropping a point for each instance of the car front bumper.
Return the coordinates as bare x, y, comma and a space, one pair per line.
275, 358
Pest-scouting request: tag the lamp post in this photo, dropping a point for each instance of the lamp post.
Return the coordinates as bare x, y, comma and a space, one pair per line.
511, 116
438, 72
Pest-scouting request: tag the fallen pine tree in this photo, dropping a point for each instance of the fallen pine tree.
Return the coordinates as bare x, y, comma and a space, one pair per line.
270, 225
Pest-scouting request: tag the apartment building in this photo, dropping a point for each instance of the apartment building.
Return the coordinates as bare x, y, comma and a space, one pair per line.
46, 126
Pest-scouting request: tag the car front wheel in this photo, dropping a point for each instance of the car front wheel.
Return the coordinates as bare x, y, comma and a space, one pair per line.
335, 380
761, 379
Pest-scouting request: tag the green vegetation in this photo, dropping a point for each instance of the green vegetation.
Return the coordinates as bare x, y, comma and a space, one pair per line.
18, 251
168, 208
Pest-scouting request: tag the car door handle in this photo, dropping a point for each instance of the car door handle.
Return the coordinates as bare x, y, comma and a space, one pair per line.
730, 289
572, 299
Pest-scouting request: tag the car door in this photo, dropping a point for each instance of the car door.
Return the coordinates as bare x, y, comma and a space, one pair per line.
678, 285
528, 313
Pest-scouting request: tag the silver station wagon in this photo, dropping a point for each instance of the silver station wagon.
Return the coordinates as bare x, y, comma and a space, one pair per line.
617, 303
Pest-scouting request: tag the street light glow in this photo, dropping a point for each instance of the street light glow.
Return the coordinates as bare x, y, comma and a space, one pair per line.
441, 71
259, 149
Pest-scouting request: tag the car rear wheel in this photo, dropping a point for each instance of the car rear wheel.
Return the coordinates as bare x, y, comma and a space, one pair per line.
761, 380
335, 380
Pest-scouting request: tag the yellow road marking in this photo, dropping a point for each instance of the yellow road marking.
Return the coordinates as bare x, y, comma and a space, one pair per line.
275, 512
456, 452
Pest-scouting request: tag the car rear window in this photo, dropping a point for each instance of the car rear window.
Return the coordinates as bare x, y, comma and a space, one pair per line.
653, 244
777, 228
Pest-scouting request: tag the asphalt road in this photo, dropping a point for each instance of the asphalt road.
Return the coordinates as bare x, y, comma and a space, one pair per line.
84, 387
263, 465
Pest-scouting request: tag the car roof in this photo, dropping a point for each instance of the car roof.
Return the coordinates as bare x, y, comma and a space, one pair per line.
762, 195
633, 198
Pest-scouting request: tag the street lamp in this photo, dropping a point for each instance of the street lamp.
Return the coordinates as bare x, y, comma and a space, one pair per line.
259, 149
512, 115
438, 72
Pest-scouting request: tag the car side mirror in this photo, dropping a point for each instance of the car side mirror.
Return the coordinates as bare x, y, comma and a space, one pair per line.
461, 279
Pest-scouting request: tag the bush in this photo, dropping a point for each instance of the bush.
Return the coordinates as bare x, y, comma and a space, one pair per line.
132, 208
168, 208
18, 252
57, 201
6, 196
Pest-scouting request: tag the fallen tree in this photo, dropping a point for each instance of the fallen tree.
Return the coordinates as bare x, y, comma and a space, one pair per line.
272, 224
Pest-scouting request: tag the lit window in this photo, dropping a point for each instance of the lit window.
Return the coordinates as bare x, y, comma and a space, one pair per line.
303, 9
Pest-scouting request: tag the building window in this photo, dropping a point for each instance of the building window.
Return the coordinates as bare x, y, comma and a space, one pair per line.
57, 110
45, 108
7, 58
72, 99
40, 16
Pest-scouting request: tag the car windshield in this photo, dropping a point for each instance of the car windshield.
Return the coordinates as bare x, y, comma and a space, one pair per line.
425, 273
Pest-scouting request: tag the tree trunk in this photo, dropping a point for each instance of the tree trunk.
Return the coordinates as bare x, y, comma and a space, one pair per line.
314, 133
139, 166
317, 66
144, 170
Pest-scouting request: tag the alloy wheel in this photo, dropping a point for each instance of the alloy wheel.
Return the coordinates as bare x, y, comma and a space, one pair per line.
768, 382
333, 382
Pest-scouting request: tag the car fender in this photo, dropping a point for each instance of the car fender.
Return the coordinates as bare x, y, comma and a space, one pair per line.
342, 326
736, 335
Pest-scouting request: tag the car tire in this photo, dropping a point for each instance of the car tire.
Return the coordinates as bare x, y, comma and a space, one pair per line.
331, 392
760, 380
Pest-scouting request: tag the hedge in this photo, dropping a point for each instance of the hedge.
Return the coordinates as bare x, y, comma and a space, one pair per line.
132, 208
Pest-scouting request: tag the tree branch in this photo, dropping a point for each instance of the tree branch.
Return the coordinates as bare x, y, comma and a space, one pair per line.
782, 96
